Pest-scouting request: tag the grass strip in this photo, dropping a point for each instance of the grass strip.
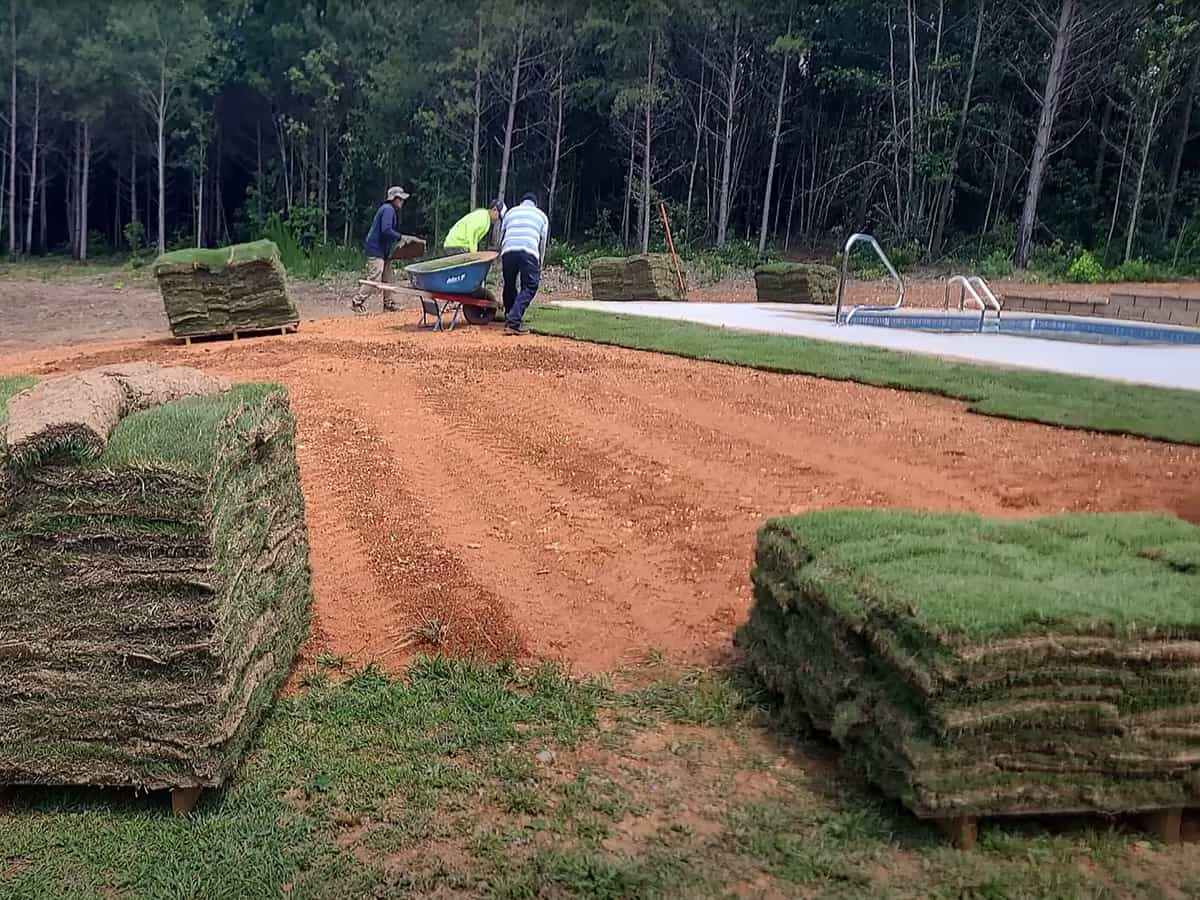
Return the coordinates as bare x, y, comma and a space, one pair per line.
1068, 401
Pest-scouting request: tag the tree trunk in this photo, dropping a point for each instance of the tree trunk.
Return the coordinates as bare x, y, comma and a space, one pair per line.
72, 193
1041, 145
558, 128
478, 118
42, 215
199, 182
33, 162
12, 136
727, 159
83, 190
1112, 227
629, 186
258, 172
787, 241
325, 183
162, 160
701, 108
1181, 142
762, 232
935, 246
1151, 128
1102, 150
133, 207
513, 96
646, 186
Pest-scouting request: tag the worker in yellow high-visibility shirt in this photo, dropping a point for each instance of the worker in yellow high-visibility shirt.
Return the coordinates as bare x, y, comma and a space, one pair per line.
471, 230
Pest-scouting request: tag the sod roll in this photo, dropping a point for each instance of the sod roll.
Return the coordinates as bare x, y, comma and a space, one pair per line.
796, 283
154, 592
218, 292
976, 667
632, 278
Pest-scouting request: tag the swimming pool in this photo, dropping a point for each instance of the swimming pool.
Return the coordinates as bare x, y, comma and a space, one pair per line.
1057, 328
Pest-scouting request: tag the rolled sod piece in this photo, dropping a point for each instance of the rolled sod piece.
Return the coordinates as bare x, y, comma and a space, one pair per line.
152, 594
218, 292
980, 667
786, 282
633, 278
76, 414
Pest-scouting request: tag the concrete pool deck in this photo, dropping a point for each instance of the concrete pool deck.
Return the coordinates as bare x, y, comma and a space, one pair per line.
1162, 366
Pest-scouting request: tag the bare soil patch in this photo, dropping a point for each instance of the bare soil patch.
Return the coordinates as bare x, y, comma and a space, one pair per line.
470, 493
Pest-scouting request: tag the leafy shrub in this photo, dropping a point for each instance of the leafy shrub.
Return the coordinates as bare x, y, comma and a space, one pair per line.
317, 260
1140, 270
1085, 269
1052, 261
995, 265
135, 238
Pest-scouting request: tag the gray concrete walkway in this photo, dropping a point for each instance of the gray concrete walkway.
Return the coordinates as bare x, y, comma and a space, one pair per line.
1165, 366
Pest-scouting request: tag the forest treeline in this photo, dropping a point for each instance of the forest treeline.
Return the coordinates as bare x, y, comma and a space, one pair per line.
948, 127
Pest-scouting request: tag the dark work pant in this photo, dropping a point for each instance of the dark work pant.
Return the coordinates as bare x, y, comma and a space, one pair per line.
526, 266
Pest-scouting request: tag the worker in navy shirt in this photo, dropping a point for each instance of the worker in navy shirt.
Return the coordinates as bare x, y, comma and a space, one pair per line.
381, 239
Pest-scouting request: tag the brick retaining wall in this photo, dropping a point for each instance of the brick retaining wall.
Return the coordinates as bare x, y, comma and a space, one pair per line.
1137, 307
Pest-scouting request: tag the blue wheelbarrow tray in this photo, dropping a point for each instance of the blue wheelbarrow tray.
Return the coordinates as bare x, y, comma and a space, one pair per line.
462, 274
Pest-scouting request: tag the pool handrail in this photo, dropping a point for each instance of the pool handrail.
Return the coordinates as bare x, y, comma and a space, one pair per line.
967, 288
858, 238
978, 281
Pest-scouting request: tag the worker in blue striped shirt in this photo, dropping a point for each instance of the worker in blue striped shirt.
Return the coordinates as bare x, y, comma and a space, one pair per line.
523, 236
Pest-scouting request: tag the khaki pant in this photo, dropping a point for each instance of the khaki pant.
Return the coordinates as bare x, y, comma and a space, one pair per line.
379, 270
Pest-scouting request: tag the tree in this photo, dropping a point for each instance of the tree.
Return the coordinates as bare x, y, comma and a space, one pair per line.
785, 46
165, 46
1159, 40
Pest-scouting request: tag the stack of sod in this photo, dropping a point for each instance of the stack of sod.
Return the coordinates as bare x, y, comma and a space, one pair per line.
219, 292
975, 667
648, 277
786, 282
154, 586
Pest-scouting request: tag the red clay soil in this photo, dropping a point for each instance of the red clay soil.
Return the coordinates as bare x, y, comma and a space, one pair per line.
558, 500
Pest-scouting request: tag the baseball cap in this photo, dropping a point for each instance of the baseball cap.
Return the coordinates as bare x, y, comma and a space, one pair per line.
394, 192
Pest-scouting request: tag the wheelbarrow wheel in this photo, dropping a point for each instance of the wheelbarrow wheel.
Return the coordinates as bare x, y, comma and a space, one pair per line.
480, 315
477, 315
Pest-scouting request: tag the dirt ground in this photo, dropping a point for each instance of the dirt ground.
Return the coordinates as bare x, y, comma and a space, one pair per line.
567, 501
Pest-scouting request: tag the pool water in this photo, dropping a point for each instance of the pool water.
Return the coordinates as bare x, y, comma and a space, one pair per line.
1055, 328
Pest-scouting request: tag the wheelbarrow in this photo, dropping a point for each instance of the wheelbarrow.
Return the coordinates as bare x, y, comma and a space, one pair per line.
454, 285
451, 286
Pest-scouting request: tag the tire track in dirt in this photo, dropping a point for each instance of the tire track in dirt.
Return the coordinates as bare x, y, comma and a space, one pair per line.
540, 545
428, 598
676, 573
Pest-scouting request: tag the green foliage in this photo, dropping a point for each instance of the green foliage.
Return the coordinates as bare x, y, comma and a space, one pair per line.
1068, 401
315, 261
1140, 270
135, 237
996, 264
1085, 269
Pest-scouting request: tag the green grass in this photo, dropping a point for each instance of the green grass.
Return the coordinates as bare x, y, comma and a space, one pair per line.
976, 578
218, 258
439, 785
184, 433
1064, 400
10, 385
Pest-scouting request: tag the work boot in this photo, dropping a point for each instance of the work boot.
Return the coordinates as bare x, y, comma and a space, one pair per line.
519, 331
358, 306
388, 306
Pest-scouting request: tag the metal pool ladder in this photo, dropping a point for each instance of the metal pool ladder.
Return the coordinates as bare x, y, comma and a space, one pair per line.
967, 288
887, 263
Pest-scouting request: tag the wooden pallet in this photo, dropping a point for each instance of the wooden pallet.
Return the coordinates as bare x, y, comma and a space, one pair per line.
290, 328
1167, 826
